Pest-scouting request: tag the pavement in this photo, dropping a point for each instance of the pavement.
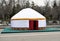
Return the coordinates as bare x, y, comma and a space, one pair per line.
1, 30
35, 36
3, 26
53, 25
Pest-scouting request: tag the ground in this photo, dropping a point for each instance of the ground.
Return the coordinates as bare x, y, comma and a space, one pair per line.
36, 36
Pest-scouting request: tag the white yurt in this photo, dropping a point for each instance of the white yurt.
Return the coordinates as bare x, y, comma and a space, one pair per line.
28, 19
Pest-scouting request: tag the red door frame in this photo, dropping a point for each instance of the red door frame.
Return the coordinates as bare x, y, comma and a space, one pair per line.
31, 25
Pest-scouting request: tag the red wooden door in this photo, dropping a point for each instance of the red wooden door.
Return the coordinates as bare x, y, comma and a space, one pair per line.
33, 25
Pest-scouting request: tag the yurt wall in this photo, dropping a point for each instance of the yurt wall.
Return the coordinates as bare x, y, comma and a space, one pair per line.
41, 23
20, 23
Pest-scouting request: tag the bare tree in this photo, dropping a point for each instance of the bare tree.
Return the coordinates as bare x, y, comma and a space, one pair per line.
54, 9
3, 9
47, 10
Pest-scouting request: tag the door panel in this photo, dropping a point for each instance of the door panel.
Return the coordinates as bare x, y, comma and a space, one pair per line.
36, 25
30, 24
33, 25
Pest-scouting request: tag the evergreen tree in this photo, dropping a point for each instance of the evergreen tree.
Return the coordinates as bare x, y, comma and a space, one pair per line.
27, 4
13, 12
32, 5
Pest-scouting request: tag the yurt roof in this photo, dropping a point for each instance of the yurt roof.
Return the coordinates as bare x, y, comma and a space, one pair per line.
28, 13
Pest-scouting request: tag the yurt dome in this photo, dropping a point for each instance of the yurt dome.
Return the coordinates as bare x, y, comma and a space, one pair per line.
28, 13
28, 19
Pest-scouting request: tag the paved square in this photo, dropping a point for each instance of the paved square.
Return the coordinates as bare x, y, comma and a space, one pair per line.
37, 36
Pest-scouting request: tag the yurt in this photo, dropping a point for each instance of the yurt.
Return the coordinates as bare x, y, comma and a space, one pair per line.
28, 19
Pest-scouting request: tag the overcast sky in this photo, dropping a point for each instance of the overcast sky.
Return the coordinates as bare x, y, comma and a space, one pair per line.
41, 2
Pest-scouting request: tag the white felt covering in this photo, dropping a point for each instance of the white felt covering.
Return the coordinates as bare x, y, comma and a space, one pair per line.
41, 23
20, 23
28, 13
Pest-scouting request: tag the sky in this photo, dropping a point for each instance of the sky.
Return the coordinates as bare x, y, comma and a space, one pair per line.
41, 2
38, 2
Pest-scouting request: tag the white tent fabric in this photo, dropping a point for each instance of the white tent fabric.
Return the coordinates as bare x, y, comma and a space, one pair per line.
28, 13
21, 19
